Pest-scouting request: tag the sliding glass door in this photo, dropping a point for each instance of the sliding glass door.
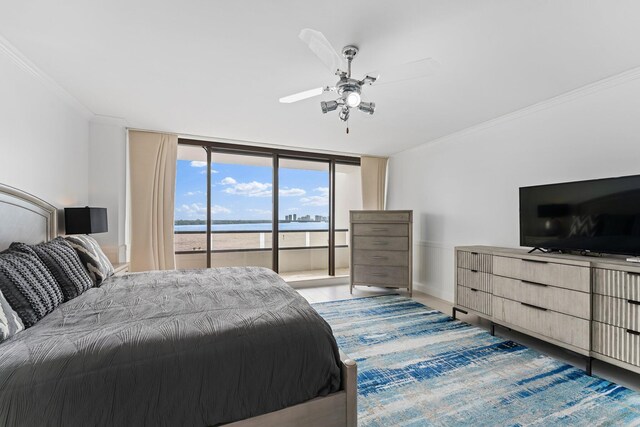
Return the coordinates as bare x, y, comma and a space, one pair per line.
232, 200
303, 226
241, 210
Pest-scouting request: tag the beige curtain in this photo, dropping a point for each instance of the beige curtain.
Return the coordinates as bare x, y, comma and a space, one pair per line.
152, 172
374, 182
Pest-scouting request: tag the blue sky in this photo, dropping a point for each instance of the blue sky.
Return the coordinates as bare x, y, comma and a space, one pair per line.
244, 192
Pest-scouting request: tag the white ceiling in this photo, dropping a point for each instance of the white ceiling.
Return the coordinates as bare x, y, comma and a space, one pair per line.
217, 68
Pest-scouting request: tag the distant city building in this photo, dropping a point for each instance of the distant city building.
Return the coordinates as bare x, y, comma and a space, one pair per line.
294, 216
318, 218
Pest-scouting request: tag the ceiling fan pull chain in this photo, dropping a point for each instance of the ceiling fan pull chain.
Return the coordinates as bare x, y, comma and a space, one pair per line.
347, 127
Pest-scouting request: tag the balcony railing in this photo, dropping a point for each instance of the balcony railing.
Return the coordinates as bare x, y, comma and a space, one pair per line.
189, 242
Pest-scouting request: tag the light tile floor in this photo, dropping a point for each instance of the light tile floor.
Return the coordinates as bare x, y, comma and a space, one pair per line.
601, 369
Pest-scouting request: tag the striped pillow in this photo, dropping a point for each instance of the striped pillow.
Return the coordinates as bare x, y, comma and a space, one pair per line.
63, 262
94, 260
10, 323
28, 286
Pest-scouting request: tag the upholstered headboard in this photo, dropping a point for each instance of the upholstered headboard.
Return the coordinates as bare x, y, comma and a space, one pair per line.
25, 218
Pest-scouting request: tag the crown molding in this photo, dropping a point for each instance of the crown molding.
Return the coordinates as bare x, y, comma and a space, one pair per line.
26, 65
109, 120
586, 90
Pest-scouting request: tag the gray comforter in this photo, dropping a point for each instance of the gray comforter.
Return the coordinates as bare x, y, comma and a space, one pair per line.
195, 348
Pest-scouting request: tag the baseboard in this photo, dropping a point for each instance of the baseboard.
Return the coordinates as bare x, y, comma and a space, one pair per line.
329, 281
433, 291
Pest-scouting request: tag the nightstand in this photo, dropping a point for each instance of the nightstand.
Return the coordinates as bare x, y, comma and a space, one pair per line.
120, 269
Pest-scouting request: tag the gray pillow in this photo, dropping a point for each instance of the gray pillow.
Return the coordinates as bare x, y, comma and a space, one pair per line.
28, 286
95, 261
63, 263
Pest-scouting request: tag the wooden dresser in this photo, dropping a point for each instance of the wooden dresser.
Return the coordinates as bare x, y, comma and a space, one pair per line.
382, 249
588, 305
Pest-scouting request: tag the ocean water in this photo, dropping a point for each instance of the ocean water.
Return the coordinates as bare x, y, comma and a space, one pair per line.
255, 227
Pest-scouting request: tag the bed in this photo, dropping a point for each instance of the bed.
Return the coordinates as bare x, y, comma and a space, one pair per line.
232, 346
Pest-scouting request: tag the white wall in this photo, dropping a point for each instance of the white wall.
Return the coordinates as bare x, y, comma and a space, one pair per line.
464, 189
43, 139
107, 181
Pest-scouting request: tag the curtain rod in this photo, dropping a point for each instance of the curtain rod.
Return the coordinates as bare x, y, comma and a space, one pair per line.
249, 143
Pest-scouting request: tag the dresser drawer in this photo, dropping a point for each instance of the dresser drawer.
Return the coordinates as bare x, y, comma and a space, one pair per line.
548, 273
475, 261
378, 216
617, 312
397, 258
617, 343
381, 243
389, 276
475, 279
615, 283
380, 230
474, 299
561, 300
561, 327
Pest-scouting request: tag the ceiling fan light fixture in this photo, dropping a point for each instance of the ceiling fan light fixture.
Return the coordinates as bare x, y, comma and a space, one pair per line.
352, 99
367, 107
328, 106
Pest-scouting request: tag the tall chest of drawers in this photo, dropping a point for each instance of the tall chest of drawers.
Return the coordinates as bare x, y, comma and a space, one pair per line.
588, 305
381, 249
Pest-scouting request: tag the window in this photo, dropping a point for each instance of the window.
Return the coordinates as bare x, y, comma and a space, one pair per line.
231, 200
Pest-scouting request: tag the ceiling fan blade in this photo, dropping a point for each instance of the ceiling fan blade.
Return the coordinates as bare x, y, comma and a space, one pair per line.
319, 44
302, 95
409, 71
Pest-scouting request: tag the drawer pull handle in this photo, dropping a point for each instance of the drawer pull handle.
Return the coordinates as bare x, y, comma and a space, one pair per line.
474, 271
378, 257
474, 289
533, 306
380, 243
535, 261
632, 332
380, 229
379, 274
630, 301
534, 283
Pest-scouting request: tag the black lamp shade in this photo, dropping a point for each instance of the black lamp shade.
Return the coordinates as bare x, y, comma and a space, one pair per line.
85, 220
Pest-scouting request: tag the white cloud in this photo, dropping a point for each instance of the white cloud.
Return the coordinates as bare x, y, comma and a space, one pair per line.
198, 164
324, 191
260, 211
321, 200
293, 209
193, 209
196, 209
257, 189
192, 193
292, 192
250, 189
219, 209
315, 201
228, 181
204, 172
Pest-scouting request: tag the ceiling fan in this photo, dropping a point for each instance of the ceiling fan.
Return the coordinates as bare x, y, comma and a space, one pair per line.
348, 88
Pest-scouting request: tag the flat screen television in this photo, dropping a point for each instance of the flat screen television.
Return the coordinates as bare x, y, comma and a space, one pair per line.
601, 215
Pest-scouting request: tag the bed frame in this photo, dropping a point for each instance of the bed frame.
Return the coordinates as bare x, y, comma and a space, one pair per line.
29, 219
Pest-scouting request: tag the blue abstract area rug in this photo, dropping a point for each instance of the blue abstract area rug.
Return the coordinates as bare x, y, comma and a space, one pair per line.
417, 366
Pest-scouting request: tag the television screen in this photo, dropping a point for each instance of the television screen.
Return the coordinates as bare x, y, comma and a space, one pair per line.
600, 215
